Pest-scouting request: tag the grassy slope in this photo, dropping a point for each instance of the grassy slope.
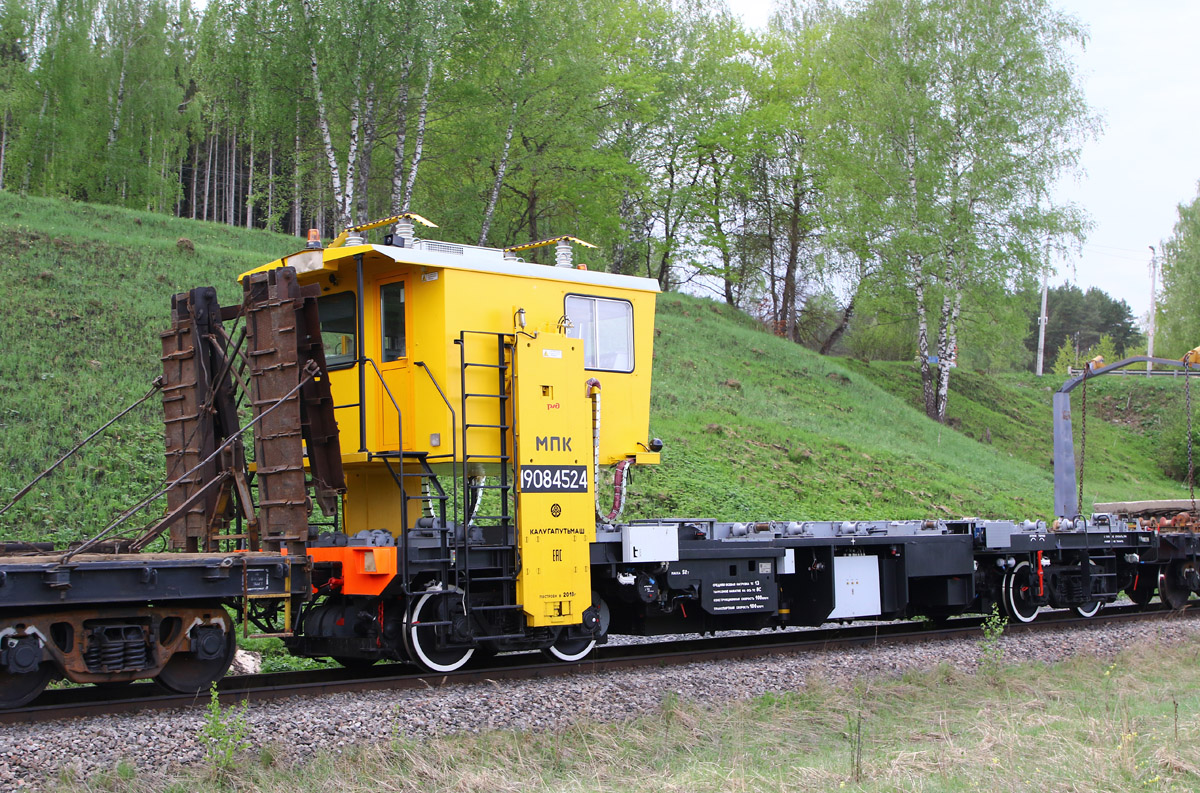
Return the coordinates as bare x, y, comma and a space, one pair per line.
758, 427
86, 290
755, 427
1133, 423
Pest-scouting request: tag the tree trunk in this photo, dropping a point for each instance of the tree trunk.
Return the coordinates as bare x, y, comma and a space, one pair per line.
29, 162
335, 171
501, 168
401, 135
116, 124
208, 168
271, 186
296, 205
531, 208
231, 185
250, 186
928, 392
364, 158
419, 144
790, 297
772, 275
847, 315
192, 192
348, 206
3, 145
948, 353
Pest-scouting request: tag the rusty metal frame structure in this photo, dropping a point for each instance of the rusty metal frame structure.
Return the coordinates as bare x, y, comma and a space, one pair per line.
277, 362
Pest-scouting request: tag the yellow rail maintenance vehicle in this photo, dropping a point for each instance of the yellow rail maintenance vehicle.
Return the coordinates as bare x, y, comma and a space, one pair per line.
467, 388
442, 405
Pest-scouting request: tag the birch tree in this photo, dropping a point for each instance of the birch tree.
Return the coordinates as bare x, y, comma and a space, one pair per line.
962, 115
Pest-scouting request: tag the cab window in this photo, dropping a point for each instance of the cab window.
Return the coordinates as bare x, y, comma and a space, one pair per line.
606, 328
392, 311
338, 328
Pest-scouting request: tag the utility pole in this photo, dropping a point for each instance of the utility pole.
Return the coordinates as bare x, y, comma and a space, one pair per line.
1041, 356
1153, 309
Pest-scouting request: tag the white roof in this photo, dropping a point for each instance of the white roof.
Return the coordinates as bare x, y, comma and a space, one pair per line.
451, 256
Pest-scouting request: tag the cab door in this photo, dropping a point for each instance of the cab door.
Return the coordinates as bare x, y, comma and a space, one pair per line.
393, 355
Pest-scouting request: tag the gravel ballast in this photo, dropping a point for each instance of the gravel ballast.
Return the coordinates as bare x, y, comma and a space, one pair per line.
157, 741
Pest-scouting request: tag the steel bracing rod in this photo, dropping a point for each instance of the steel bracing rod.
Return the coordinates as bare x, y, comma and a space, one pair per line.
149, 534
129, 513
154, 388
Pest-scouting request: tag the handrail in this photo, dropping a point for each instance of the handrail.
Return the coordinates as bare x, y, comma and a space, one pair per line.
453, 433
399, 415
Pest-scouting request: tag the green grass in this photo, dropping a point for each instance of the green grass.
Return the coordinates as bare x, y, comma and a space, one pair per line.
1135, 425
755, 427
1087, 724
87, 288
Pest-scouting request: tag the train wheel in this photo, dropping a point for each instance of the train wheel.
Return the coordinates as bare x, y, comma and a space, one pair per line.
565, 649
1142, 591
421, 641
597, 618
21, 689
1017, 592
189, 673
1171, 588
1089, 610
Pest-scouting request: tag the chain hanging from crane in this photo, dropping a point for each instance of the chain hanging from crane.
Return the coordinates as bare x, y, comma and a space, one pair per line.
1187, 398
1083, 439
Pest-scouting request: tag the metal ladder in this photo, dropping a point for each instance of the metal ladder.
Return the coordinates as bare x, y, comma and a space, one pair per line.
1105, 562
431, 496
497, 533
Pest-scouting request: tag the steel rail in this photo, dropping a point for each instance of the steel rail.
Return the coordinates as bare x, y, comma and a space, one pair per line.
92, 701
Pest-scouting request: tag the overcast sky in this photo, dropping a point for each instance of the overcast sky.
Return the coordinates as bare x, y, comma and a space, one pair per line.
1139, 72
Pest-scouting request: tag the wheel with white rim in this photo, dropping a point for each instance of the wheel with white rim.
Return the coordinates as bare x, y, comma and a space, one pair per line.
422, 640
576, 649
565, 649
1017, 592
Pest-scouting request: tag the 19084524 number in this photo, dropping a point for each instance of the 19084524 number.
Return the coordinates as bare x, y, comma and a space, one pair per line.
554, 479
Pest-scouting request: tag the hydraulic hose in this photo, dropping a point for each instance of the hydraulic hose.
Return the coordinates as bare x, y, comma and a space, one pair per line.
619, 480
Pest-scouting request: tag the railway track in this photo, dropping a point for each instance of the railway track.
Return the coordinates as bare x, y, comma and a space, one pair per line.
95, 701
